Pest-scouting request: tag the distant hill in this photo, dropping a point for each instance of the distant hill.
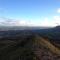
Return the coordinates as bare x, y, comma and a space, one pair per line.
5, 28
53, 34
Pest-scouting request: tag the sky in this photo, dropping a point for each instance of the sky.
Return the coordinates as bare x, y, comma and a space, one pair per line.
29, 12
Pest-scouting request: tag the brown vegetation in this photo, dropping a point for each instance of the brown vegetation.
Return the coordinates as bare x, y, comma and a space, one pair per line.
45, 43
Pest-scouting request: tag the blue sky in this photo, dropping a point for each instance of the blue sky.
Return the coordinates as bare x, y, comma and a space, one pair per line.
35, 12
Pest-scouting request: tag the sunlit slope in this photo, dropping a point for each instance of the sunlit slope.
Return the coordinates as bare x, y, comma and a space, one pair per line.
46, 44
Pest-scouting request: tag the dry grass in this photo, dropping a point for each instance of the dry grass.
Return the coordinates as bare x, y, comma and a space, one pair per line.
48, 45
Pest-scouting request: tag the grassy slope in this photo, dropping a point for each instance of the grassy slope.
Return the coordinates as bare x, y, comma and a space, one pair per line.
24, 50
47, 44
18, 50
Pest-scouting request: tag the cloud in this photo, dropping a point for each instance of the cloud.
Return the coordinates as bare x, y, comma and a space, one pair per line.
57, 20
14, 22
54, 22
58, 10
20, 22
50, 23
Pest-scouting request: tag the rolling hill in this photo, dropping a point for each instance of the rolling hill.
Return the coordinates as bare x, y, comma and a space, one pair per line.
29, 48
39, 44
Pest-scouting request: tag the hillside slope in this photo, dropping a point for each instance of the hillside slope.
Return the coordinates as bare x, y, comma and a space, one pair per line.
44, 50
32, 47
